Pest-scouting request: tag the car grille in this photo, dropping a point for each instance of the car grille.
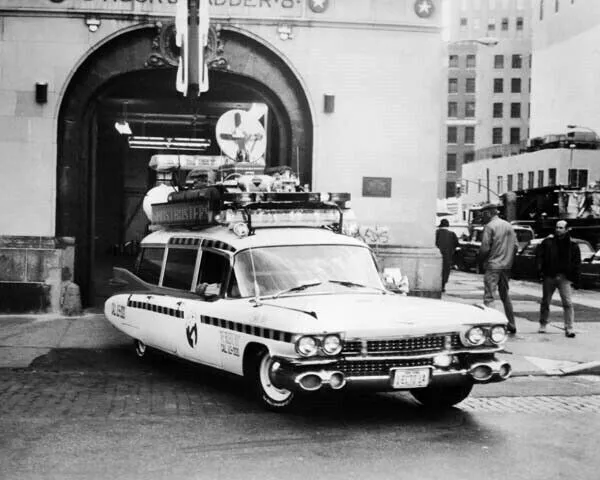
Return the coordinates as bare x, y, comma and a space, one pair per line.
405, 346
364, 368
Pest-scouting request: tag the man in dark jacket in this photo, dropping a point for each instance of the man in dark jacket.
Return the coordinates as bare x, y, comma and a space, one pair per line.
558, 261
447, 241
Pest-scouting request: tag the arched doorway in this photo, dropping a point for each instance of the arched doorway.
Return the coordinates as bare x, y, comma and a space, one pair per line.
101, 181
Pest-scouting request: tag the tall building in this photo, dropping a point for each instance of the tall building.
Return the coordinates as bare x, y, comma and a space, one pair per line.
566, 67
489, 84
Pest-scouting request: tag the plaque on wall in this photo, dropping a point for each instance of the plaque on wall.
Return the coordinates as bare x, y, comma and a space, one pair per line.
377, 187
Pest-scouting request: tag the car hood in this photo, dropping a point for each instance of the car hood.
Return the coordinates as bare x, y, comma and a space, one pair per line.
385, 314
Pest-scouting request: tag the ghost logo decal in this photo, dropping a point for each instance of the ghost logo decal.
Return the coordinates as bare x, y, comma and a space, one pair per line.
191, 332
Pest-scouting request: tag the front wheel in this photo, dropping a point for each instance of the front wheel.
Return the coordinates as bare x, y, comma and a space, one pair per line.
442, 397
258, 375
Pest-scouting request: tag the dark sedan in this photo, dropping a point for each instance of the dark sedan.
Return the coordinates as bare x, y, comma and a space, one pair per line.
524, 265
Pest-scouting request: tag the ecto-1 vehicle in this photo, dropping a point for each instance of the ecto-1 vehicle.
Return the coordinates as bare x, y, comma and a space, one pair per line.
266, 286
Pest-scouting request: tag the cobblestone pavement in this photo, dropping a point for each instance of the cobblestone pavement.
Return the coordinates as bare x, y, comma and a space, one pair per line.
34, 394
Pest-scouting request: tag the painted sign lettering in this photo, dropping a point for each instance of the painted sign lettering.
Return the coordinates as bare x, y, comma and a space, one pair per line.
230, 343
191, 332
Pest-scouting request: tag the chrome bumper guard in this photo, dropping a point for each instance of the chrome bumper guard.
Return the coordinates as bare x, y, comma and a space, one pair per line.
312, 376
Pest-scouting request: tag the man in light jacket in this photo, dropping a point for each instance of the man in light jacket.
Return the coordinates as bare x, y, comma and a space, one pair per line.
496, 254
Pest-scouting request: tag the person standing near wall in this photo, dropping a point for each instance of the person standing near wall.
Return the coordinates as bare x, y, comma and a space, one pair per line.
496, 254
447, 241
558, 261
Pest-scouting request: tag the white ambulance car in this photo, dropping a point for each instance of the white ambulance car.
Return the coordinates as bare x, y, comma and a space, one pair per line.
265, 286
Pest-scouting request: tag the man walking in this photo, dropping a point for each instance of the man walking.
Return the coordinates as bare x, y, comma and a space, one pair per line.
558, 262
496, 254
447, 241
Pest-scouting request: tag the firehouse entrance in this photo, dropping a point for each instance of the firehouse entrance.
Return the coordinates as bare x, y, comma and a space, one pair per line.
126, 89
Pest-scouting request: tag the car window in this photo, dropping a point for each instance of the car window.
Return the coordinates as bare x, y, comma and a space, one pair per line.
149, 264
179, 269
523, 235
213, 272
585, 250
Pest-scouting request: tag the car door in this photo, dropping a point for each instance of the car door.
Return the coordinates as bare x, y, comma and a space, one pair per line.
203, 316
525, 264
590, 270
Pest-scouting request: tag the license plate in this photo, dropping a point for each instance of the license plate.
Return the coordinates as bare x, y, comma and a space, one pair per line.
410, 377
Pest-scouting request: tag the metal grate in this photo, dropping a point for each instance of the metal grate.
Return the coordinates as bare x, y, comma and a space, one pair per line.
425, 344
363, 368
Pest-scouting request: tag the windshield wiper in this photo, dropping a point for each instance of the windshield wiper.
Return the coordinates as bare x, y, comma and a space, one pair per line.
298, 288
349, 284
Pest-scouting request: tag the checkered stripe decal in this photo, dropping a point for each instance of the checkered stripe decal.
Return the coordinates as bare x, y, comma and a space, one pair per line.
172, 312
247, 329
201, 241
268, 333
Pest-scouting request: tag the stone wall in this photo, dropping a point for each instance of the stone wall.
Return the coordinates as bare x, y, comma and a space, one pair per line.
31, 272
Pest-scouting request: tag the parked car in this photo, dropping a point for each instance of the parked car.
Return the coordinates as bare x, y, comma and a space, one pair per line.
465, 257
590, 270
524, 265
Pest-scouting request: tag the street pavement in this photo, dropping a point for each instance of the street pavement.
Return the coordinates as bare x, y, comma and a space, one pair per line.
23, 338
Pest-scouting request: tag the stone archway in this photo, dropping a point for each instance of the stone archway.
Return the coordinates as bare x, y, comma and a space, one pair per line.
263, 71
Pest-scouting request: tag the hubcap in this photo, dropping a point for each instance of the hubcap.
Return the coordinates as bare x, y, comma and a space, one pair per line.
276, 394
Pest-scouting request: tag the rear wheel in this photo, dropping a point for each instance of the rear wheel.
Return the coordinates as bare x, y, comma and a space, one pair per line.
258, 375
442, 397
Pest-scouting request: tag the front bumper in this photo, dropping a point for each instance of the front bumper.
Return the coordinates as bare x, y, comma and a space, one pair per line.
311, 376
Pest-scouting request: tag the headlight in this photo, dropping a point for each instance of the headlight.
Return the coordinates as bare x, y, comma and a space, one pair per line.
498, 334
476, 336
307, 346
332, 345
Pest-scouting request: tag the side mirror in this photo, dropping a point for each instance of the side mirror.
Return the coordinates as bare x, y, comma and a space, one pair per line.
395, 281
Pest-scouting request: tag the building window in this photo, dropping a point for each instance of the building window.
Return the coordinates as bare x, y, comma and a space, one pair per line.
452, 85
515, 110
509, 183
520, 23
498, 85
452, 109
519, 181
491, 24
451, 162
452, 134
471, 61
469, 157
499, 184
530, 179
469, 109
504, 24
498, 61
541, 9
556, 6
453, 61
479, 185
551, 177
578, 178
497, 135
470, 86
515, 85
497, 110
463, 23
450, 189
470, 135
517, 61
515, 136
540, 178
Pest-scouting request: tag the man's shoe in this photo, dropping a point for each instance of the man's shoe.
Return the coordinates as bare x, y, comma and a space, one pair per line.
511, 330
569, 334
542, 329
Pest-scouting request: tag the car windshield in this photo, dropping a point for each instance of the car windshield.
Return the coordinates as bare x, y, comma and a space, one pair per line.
291, 269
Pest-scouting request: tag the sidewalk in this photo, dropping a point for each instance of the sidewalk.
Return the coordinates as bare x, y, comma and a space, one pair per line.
529, 352
26, 337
